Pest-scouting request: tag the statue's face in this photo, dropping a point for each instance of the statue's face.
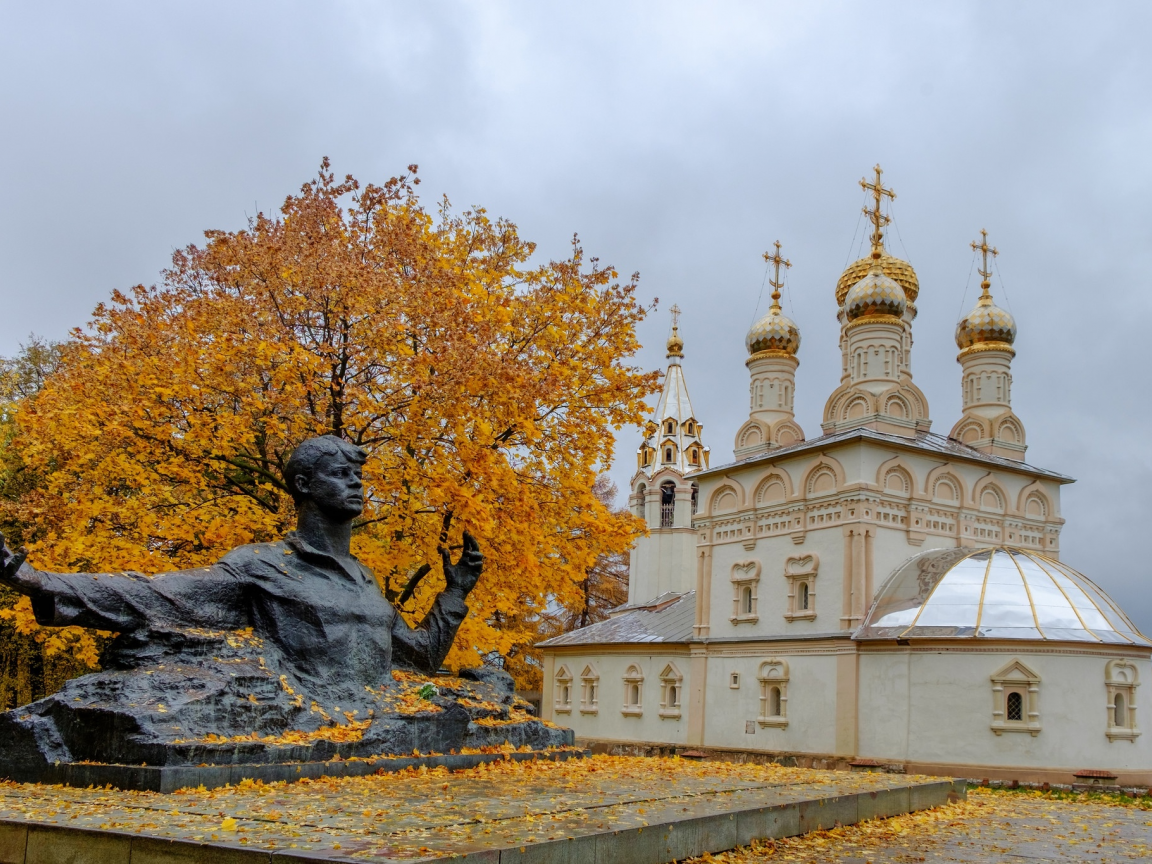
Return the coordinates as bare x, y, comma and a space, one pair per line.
335, 486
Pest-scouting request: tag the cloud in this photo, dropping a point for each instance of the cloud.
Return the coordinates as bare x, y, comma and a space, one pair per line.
679, 140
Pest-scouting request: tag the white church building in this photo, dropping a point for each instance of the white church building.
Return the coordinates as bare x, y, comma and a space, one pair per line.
875, 593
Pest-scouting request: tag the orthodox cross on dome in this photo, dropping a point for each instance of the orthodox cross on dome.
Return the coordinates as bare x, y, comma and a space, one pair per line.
675, 343
983, 248
775, 282
875, 214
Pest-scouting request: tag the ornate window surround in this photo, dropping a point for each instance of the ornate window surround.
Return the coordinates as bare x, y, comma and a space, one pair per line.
745, 592
773, 674
801, 570
671, 692
1016, 678
590, 690
563, 688
1121, 679
633, 678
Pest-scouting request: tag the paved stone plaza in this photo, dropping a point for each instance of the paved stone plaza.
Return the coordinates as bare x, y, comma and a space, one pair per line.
599, 809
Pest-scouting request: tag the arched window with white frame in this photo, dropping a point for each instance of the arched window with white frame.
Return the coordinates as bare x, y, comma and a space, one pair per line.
633, 691
773, 693
563, 688
589, 690
671, 691
1120, 682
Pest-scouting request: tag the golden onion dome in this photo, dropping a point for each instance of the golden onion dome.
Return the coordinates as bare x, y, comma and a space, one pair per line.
893, 268
986, 323
875, 294
774, 332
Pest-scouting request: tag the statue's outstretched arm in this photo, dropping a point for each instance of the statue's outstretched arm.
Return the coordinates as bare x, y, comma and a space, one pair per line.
425, 646
123, 602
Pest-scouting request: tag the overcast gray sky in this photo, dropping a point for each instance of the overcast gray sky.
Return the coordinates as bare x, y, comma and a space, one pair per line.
678, 140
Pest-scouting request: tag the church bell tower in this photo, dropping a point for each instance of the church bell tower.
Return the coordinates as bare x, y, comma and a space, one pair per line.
662, 495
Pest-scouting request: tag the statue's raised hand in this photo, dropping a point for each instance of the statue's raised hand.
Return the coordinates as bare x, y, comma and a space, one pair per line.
462, 575
10, 564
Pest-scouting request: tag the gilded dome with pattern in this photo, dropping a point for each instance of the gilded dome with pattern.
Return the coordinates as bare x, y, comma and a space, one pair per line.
875, 294
986, 323
893, 268
773, 332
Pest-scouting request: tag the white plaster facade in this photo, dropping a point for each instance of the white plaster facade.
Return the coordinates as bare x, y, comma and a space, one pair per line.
778, 590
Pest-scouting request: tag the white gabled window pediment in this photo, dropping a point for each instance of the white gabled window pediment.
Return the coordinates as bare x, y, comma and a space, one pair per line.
563, 690
1121, 679
1015, 699
590, 690
773, 678
633, 691
671, 691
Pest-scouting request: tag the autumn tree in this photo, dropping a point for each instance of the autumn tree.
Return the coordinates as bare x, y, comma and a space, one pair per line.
484, 387
603, 588
33, 662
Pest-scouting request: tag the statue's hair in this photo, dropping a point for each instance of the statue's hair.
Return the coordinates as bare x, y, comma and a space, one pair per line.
308, 453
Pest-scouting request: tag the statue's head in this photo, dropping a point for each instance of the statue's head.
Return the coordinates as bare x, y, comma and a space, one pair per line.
326, 472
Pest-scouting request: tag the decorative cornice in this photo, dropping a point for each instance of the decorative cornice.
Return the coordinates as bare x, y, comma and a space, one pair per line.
772, 354
891, 320
983, 347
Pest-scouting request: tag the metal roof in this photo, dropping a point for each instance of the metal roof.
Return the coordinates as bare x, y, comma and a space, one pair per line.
926, 442
667, 618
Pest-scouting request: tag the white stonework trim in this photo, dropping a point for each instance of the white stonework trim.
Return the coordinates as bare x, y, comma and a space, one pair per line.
590, 690
1009, 683
563, 688
773, 679
633, 692
1121, 680
800, 571
671, 692
745, 592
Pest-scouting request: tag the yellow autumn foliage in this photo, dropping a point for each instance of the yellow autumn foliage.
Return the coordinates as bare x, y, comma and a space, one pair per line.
484, 387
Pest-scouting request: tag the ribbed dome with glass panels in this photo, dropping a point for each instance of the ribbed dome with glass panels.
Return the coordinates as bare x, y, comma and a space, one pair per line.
1002, 592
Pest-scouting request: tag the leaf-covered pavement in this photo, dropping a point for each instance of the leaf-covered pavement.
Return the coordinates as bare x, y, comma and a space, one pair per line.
991, 826
427, 813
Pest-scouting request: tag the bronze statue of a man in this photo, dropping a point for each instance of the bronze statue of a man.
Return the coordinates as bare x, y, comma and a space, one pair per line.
319, 611
273, 637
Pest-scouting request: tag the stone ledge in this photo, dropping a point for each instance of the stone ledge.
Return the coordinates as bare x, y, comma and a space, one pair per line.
714, 830
169, 778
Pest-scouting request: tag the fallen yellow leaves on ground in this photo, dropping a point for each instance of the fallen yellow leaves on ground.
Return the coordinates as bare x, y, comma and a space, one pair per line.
431, 812
1051, 826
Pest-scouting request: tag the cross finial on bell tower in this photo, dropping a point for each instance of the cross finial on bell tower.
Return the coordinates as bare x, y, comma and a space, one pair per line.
983, 248
775, 282
875, 214
675, 343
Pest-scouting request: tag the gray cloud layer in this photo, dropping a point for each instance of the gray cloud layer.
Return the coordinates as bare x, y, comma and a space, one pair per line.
679, 140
